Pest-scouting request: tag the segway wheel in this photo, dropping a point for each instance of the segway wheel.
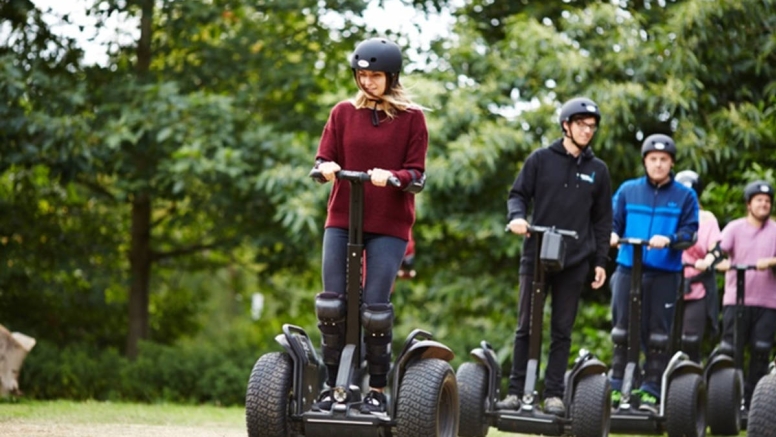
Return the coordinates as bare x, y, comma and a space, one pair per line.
591, 407
725, 393
686, 406
762, 409
427, 402
268, 396
472, 392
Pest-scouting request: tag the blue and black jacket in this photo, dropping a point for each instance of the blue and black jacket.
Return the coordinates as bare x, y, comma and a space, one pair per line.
642, 209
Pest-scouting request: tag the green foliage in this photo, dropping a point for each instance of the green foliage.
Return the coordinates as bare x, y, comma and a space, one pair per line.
185, 373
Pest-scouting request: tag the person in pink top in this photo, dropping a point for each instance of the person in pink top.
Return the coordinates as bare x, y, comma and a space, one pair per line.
752, 240
701, 306
383, 133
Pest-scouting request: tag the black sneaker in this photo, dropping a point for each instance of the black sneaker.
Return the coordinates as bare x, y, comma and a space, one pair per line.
374, 403
511, 402
324, 401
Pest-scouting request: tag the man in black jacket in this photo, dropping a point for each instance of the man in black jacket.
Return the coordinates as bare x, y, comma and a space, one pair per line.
568, 188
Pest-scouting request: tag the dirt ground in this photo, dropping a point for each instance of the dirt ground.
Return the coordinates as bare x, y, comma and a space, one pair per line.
21, 429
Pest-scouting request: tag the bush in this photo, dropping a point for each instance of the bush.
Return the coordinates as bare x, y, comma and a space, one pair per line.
184, 373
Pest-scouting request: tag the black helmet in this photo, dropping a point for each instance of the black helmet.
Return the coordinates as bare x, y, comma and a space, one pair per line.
659, 143
578, 106
378, 54
690, 179
758, 187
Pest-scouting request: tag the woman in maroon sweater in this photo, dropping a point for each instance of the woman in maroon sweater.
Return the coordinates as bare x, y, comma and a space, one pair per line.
381, 132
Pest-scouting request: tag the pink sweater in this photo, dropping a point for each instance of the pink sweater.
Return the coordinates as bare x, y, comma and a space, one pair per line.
398, 145
745, 244
708, 235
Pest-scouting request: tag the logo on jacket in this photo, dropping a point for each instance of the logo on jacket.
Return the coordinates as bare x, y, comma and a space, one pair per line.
587, 178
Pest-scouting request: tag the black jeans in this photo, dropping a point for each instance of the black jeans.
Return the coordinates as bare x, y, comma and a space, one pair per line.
757, 329
564, 289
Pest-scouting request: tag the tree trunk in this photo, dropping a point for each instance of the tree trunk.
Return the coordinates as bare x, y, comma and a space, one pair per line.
13, 349
140, 273
140, 256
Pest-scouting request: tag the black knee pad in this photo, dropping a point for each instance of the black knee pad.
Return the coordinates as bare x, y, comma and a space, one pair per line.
657, 357
331, 310
377, 321
619, 337
725, 348
762, 351
691, 344
658, 342
619, 356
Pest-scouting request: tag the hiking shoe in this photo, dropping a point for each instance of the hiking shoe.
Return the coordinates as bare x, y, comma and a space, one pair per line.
511, 402
374, 402
647, 402
616, 398
324, 401
554, 405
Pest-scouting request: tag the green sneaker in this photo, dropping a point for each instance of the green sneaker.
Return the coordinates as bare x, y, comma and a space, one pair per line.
647, 402
616, 398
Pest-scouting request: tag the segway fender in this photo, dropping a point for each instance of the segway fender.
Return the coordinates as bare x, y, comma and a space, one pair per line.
717, 363
427, 349
308, 369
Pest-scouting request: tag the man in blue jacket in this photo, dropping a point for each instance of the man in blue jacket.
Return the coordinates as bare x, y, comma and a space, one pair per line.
568, 188
664, 212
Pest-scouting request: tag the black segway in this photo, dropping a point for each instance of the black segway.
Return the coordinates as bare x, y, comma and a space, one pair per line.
682, 409
422, 393
762, 408
724, 372
587, 394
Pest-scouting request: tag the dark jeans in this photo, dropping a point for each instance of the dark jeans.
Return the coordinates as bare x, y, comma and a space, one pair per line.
564, 289
383, 259
758, 326
658, 298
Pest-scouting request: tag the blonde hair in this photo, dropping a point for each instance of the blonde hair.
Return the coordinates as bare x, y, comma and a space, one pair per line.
397, 100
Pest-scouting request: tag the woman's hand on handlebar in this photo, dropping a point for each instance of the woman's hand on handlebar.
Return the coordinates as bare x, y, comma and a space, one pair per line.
329, 170
379, 176
518, 226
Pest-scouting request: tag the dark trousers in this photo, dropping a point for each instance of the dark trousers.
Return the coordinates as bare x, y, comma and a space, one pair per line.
658, 298
694, 325
383, 259
564, 289
757, 327
383, 256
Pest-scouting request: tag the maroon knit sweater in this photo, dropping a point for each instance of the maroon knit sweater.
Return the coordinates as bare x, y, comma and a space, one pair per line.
398, 145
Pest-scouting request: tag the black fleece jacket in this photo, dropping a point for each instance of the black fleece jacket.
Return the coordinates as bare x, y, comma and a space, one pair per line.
566, 192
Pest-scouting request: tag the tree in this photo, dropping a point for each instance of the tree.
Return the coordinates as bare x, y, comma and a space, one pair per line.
189, 129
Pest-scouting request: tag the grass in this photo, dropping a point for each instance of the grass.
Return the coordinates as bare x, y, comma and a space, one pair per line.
91, 412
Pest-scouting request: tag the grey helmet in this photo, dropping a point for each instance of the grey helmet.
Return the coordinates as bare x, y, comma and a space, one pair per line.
658, 143
758, 187
378, 54
690, 179
578, 106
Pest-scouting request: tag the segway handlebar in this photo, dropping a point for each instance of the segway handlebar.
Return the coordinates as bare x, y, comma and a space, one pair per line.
541, 229
353, 176
564, 232
633, 241
743, 267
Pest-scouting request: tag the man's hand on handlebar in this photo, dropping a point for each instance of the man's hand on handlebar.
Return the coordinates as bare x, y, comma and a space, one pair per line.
518, 226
